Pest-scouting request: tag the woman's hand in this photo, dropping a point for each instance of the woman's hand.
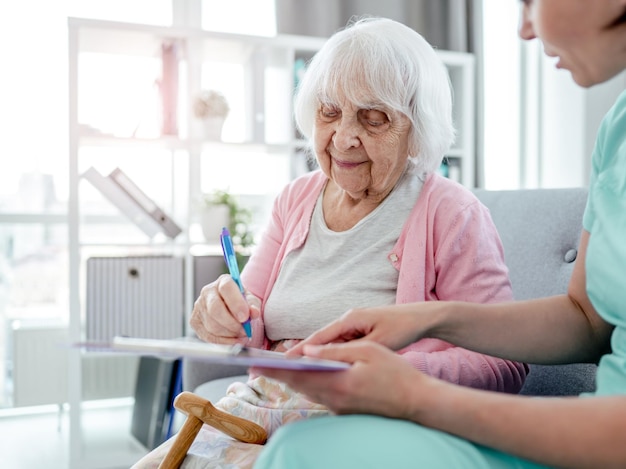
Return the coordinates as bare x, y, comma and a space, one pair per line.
378, 382
392, 326
220, 310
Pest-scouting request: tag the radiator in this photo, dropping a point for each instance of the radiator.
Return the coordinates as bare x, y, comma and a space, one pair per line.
134, 296
40, 363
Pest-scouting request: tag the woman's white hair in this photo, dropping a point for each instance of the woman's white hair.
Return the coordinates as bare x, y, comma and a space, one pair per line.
378, 60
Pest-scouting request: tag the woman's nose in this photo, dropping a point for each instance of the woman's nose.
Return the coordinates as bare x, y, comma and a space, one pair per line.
346, 135
525, 29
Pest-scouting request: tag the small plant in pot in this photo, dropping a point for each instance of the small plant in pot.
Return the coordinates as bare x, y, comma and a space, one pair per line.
212, 108
222, 209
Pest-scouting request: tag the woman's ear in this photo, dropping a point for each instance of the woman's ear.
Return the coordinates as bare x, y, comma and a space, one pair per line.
414, 149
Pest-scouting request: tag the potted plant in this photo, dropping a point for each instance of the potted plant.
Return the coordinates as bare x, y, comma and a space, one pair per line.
222, 209
212, 108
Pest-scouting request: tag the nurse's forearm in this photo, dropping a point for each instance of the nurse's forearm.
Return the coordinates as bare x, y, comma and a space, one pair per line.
547, 330
561, 432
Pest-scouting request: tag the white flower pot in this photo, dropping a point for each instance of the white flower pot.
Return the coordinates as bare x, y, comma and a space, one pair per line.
212, 220
213, 128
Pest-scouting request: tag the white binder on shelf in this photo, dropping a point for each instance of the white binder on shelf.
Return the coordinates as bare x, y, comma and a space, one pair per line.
120, 190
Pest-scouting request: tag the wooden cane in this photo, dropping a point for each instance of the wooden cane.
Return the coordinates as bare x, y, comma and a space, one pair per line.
199, 411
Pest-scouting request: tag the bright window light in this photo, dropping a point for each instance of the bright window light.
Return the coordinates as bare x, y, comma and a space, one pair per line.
502, 91
133, 87
157, 12
259, 18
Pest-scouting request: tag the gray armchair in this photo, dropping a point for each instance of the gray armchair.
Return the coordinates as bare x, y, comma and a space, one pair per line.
540, 230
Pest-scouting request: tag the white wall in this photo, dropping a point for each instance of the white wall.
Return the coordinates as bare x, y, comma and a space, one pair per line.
499, 161
570, 117
561, 143
539, 126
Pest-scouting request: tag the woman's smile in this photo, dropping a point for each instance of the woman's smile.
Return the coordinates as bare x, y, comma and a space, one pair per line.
346, 164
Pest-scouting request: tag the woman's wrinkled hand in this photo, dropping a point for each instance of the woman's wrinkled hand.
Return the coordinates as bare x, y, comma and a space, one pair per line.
220, 310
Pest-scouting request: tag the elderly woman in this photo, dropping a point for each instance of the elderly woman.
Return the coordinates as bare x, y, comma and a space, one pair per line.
375, 225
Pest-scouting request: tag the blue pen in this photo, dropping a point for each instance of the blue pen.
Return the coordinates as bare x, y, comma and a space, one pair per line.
233, 269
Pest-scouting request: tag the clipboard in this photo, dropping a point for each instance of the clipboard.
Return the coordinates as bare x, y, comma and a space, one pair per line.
216, 353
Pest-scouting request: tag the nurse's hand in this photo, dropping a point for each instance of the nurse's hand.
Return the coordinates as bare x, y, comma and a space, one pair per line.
392, 326
378, 382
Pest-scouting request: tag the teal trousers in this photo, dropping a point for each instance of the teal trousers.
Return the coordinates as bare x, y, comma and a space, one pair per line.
367, 441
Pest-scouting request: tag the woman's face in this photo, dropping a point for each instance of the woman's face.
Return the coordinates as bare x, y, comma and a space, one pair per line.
582, 34
362, 150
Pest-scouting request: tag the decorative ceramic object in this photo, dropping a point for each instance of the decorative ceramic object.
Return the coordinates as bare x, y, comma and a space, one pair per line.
222, 209
211, 108
213, 128
212, 219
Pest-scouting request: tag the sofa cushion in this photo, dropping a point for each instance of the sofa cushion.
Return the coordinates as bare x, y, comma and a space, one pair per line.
540, 230
560, 380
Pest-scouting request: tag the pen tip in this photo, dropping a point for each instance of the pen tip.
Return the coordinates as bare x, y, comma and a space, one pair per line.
248, 328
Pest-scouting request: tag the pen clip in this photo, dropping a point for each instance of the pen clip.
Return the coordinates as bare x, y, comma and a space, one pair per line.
230, 258
225, 249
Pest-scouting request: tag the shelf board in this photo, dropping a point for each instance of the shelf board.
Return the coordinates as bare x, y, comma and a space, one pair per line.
102, 140
177, 143
133, 39
456, 153
246, 147
166, 243
203, 249
456, 59
27, 218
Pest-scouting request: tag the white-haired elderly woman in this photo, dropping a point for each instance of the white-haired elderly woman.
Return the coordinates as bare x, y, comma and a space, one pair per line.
375, 225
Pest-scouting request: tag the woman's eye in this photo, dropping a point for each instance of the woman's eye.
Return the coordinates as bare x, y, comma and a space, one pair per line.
375, 123
374, 118
328, 112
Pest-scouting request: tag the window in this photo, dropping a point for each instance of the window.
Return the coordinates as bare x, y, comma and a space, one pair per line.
34, 137
259, 19
502, 87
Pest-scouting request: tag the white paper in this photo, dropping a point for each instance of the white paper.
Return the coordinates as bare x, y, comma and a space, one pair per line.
215, 353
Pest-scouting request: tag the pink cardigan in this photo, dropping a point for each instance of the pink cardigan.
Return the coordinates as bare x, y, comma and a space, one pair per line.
448, 249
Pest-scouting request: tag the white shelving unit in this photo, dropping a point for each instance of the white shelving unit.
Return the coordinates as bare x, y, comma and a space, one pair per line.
461, 68
184, 164
265, 136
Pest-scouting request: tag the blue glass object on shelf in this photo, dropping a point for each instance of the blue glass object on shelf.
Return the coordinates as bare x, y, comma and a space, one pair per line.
298, 67
444, 169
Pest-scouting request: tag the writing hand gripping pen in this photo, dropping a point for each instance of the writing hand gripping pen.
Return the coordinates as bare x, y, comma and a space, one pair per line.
233, 269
